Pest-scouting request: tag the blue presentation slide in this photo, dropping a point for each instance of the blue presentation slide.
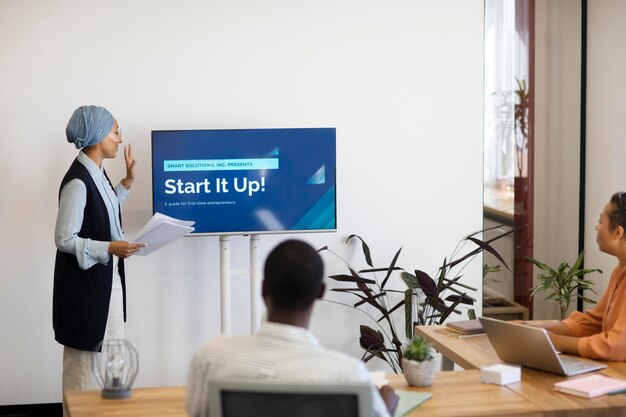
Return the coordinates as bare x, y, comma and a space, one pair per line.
248, 180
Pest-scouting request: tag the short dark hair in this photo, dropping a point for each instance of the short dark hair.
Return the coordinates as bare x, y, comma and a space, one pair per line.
293, 275
617, 216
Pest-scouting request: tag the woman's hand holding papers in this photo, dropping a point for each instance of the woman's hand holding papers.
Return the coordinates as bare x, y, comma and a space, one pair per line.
123, 249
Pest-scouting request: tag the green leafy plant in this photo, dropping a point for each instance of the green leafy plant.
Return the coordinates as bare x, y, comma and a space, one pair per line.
520, 115
488, 269
563, 283
432, 308
418, 349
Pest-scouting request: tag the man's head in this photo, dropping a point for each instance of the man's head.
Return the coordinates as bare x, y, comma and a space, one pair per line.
293, 276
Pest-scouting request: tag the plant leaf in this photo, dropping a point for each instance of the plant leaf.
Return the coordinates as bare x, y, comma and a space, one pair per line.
371, 339
371, 301
408, 313
455, 281
426, 283
374, 353
490, 249
364, 247
391, 268
409, 279
351, 278
397, 306
374, 270
462, 299
450, 310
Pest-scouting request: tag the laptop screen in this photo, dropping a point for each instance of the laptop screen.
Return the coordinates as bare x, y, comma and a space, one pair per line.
244, 404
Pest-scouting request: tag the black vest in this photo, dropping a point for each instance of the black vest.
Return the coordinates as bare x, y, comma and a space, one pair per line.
80, 302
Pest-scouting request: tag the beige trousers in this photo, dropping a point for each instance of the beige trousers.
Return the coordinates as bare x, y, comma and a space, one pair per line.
77, 364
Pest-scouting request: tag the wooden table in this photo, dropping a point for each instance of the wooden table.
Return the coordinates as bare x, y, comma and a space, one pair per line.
455, 394
161, 401
461, 394
471, 353
536, 387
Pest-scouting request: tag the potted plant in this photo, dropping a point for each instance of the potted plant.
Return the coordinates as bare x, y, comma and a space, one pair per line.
564, 283
441, 296
418, 362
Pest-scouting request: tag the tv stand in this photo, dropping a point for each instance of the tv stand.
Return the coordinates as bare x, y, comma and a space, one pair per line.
226, 272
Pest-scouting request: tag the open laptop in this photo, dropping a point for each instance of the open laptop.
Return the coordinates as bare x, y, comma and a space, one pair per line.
531, 347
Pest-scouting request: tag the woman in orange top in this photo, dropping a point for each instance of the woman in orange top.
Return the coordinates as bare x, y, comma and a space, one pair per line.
600, 333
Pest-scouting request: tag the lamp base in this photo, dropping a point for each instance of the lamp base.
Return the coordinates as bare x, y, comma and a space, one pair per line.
116, 394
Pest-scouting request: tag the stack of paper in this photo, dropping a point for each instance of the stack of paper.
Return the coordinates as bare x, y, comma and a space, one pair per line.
591, 386
161, 230
463, 329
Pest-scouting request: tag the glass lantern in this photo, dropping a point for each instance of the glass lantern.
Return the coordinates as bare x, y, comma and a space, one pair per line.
115, 368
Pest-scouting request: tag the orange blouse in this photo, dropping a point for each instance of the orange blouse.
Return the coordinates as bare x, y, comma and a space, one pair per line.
602, 330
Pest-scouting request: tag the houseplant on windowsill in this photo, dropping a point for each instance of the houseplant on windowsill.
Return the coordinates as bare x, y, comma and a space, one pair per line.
418, 362
564, 282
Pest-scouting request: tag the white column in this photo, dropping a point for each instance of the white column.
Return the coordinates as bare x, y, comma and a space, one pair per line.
255, 284
225, 274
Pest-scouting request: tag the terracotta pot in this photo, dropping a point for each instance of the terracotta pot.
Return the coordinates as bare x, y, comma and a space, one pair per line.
419, 374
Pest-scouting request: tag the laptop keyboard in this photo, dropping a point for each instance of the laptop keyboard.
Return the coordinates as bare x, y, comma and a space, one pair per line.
573, 365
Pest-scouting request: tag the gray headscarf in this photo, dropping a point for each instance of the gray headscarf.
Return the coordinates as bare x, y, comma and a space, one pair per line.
88, 126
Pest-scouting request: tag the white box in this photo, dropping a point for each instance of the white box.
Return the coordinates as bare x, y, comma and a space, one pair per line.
500, 374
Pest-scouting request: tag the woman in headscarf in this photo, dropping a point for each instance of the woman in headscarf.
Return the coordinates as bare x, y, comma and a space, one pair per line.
89, 302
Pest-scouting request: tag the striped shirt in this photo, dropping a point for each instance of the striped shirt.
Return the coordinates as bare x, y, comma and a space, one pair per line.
277, 353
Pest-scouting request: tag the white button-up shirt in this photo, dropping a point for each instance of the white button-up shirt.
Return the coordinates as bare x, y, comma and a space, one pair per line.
277, 353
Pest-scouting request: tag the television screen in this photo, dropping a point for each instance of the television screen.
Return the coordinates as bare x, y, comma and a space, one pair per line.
246, 181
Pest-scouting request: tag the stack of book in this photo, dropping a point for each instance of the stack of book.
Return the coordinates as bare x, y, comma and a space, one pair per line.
463, 329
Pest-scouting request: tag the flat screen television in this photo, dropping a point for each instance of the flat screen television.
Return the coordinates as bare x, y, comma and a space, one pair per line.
245, 181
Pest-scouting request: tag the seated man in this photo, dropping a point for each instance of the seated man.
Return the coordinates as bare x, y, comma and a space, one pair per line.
283, 350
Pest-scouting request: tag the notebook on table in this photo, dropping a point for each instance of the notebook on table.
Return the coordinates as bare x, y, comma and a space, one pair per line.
591, 386
466, 326
462, 329
531, 347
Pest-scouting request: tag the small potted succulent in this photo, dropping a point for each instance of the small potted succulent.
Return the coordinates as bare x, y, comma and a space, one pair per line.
418, 362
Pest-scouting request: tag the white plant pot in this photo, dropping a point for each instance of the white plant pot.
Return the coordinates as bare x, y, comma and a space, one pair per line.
419, 374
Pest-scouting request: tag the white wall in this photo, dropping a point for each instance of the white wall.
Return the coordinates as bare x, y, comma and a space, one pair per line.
606, 89
557, 138
557, 132
401, 81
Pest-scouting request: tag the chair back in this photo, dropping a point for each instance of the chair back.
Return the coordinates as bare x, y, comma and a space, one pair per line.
229, 398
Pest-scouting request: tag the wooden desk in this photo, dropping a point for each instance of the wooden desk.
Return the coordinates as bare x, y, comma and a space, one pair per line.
455, 394
161, 401
471, 353
536, 388
460, 394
